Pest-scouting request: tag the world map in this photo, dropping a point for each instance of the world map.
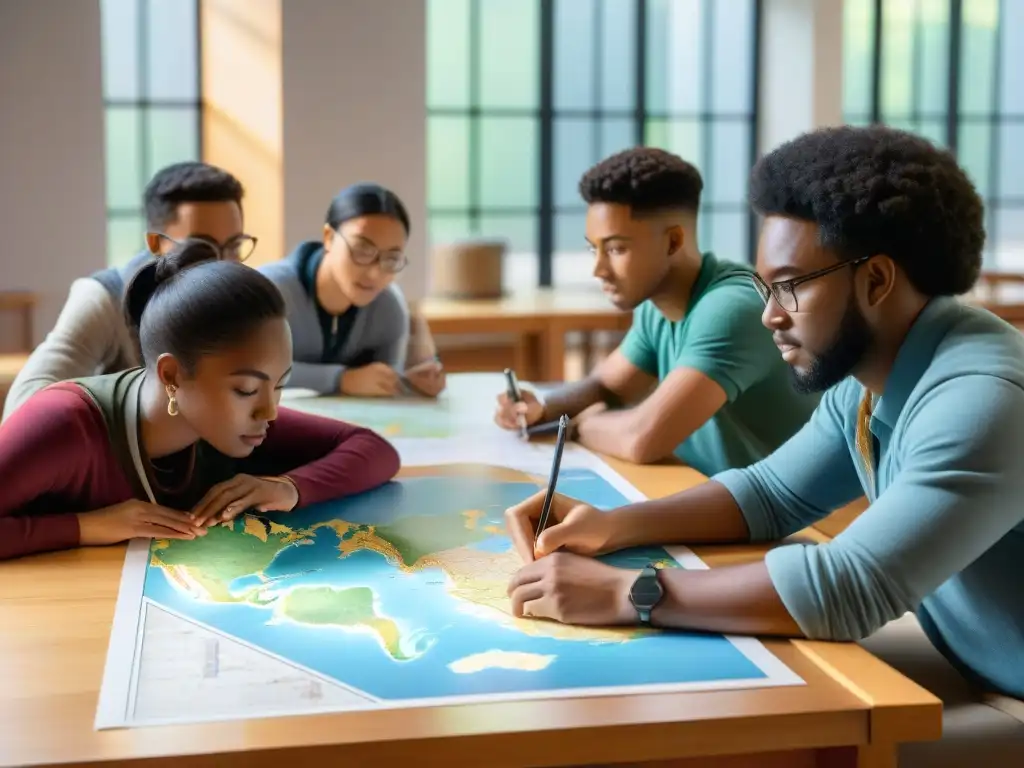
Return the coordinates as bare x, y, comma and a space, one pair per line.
400, 594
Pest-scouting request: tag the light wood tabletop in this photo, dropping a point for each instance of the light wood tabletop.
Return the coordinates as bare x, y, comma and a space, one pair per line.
55, 619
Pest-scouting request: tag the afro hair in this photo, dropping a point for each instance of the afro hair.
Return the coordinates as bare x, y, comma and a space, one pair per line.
878, 190
646, 179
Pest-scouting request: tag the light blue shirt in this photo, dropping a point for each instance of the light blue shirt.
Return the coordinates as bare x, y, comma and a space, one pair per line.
944, 533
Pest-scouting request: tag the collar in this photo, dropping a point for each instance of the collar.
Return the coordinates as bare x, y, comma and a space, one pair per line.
916, 353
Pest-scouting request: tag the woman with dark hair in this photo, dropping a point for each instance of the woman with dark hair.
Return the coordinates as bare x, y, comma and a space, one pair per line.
349, 320
193, 438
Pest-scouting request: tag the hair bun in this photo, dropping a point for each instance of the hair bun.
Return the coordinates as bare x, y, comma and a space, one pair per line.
161, 269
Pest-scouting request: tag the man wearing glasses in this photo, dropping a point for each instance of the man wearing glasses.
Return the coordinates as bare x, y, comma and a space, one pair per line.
869, 236
91, 336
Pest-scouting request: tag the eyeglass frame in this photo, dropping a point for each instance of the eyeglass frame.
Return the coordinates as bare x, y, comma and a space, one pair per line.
766, 290
376, 257
219, 247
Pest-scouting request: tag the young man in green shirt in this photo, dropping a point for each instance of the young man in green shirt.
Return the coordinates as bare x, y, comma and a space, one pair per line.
697, 375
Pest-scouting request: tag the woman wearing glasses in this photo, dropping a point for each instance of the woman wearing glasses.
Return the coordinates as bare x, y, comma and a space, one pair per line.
349, 321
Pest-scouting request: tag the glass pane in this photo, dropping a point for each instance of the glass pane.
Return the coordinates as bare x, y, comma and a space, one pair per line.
934, 130
732, 52
933, 56
616, 134
680, 136
172, 50
898, 18
574, 54
448, 162
521, 268
446, 229
618, 46
858, 44
1011, 160
448, 53
974, 142
725, 234
509, 53
726, 180
1011, 27
125, 238
125, 176
173, 137
674, 54
574, 154
977, 62
119, 27
508, 161
1010, 246
570, 233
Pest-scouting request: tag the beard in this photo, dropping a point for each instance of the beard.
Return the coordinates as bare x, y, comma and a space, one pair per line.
847, 348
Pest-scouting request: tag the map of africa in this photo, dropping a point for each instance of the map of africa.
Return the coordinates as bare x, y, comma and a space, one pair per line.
400, 594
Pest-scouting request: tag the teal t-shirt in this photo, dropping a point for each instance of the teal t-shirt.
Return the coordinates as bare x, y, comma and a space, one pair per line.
722, 337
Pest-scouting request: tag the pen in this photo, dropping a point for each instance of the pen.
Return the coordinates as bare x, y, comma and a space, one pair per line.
556, 463
517, 397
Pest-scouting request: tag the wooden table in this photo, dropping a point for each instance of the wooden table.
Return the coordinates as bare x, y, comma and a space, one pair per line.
540, 319
55, 615
10, 366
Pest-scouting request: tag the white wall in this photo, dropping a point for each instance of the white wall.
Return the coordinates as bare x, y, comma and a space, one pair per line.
354, 95
52, 209
801, 69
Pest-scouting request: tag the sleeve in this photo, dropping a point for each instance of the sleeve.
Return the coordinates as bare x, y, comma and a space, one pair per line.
43, 455
803, 480
637, 346
323, 378
325, 458
726, 341
391, 327
80, 343
958, 492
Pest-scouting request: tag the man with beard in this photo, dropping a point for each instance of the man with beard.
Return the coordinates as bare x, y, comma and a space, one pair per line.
869, 235
721, 396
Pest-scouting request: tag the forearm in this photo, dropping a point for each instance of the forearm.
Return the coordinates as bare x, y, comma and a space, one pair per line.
704, 514
573, 398
323, 378
360, 460
619, 434
737, 599
32, 534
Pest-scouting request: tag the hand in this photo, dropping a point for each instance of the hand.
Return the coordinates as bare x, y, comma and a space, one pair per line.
135, 519
225, 501
372, 380
572, 525
573, 589
427, 377
508, 410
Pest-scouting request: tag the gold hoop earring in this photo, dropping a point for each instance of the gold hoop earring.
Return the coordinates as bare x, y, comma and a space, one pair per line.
172, 401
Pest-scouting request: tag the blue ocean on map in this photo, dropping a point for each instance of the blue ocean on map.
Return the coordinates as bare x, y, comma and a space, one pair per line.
321, 587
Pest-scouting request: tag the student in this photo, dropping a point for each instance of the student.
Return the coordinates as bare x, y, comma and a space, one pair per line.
350, 322
193, 438
90, 337
870, 234
721, 396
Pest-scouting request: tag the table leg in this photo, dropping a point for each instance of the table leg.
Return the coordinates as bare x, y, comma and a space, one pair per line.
553, 353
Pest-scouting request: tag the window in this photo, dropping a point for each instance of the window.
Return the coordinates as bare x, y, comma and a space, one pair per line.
941, 68
153, 105
524, 95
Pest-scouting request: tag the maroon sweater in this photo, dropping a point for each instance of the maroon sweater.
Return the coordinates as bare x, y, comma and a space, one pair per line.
56, 461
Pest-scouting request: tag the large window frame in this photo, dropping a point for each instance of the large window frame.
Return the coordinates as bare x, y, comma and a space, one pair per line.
547, 115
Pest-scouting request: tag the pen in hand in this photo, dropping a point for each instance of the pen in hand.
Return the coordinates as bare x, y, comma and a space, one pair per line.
517, 397
556, 463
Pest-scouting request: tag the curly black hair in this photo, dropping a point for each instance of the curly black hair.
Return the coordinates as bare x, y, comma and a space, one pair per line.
644, 178
187, 182
879, 190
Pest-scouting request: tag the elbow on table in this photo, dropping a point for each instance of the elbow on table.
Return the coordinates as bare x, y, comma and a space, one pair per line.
386, 460
645, 447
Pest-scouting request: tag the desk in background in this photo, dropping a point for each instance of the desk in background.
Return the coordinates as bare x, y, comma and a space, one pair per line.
56, 611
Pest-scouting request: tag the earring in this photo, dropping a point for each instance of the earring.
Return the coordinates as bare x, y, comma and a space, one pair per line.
172, 401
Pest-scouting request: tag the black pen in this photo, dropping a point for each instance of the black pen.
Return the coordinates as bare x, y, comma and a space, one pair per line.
556, 463
517, 397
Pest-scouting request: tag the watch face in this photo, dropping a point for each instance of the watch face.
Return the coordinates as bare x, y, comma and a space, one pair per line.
646, 591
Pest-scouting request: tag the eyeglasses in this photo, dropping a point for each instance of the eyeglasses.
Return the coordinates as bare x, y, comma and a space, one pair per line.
238, 248
784, 291
365, 254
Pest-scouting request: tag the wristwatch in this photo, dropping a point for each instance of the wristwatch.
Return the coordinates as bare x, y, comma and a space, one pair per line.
646, 593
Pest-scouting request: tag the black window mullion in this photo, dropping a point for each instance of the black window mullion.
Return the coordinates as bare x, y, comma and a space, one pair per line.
956, 16
640, 84
707, 119
876, 62
995, 129
473, 143
142, 47
545, 175
755, 120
